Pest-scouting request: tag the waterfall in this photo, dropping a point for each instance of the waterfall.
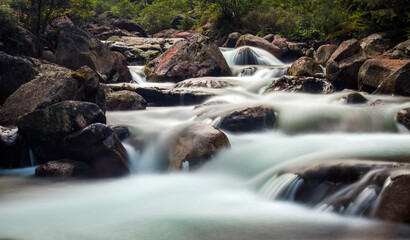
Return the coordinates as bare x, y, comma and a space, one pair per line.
249, 56
283, 187
138, 74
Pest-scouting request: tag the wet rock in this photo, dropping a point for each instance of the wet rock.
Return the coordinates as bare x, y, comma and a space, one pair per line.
19, 41
121, 68
99, 147
161, 97
130, 26
77, 48
403, 117
355, 98
122, 132
206, 82
246, 56
125, 100
375, 71
195, 144
250, 119
396, 83
189, 59
324, 52
14, 72
300, 84
138, 50
376, 44
13, 151
44, 129
142, 141
281, 43
250, 40
232, 39
63, 169
343, 66
53, 84
304, 66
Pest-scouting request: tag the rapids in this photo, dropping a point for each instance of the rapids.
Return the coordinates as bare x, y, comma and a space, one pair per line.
236, 195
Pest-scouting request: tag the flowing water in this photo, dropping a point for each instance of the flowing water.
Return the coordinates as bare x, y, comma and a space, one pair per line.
236, 195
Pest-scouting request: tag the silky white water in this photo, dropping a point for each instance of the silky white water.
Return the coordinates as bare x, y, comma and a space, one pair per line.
237, 194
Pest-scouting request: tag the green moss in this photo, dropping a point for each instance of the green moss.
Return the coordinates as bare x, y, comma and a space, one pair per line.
79, 75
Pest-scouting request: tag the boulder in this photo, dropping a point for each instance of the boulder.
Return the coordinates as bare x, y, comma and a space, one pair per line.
53, 84
376, 44
14, 72
232, 39
250, 119
296, 50
44, 129
281, 43
403, 117
396, 83
130, 26
304, 66
177, 21
13, 151
324, 52
355, 98
77, 48
250, 40
160, 97
400, 51
189, 35
375, 71
63, 169
48, 56
122, 132
99, 147
104, 32
195, 144
125, 100
189, 59
121, 68
343, 66
18, 41
269, 37
166, 33
301, 84
206, 82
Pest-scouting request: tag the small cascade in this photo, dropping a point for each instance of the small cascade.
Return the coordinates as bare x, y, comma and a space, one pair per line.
259, 71
246, 72
283, 187
362, 202
133, 155
32, 157
249, 56
138, 74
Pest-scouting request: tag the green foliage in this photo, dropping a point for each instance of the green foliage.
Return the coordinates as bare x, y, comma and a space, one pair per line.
187, 23
124, 8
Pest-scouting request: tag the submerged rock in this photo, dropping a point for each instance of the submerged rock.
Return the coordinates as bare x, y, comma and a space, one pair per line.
189, 59
99, 147
125, 100
304, 66
246, 56
300, 84
206, 82
375, 71
355, 98
250, 40
195, 144
63, 169
324, 52
250, 119
53, 84
14, 72
343, 66
44, 129
122, 132
403, 117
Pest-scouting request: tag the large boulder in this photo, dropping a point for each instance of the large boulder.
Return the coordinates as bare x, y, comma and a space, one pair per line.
18, 41
195, 144
324, 52
44, 129
250, 119
99, 147
376, 44
63, 168
14, 72
304, 66
13, 151
77, 48
300, 84
343, 66
396, 83
53, 84
189, 59
400, 51
125, 100
130, 26
250, 40
281, 43
232, 39
375, 71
